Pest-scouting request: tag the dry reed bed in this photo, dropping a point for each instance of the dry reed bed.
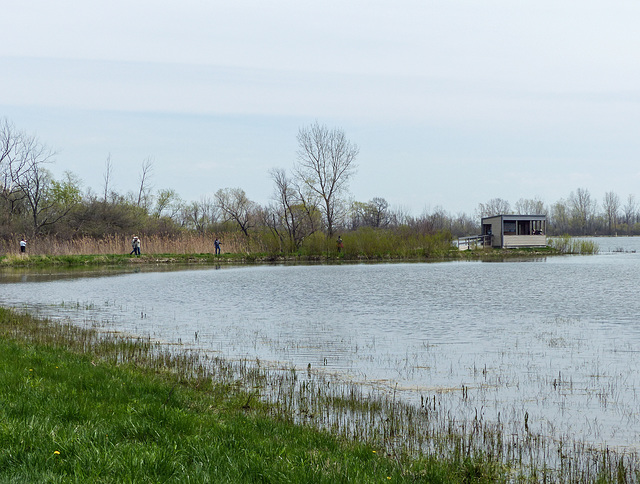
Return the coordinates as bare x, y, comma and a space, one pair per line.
187, 243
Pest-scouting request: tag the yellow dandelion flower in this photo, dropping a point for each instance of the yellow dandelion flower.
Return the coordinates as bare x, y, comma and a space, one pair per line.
56, 452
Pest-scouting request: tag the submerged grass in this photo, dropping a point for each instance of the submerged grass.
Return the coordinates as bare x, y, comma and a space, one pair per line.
80, 404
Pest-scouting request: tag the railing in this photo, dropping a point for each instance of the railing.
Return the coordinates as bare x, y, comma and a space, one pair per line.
473, 242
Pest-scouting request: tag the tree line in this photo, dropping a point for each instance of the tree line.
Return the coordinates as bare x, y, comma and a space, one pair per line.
578, 214
311, 199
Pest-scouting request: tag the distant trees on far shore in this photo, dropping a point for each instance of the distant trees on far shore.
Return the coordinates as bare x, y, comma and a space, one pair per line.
310, 200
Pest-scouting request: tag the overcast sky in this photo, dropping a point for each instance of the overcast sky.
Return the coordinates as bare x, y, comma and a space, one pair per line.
451, 103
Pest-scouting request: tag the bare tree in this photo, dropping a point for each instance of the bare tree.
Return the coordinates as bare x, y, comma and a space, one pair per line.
374, 213
293, 210
281, 213
611, 206
630, 210
25, 182
306, 209
530, 206
235, 205
199, 215
11, 159
559, 218
583, 209
379, 212
326, 162
495, 206
422, 224
15, 147
35, 183
168, 204
463, 225
358, 214
108, 171
400, 215
144, 193
49, 200
439, 219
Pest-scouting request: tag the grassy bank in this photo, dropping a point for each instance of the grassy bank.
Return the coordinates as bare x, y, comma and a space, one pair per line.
80, 405
360, 245
119, 259
364, 244
77, 406
71, 260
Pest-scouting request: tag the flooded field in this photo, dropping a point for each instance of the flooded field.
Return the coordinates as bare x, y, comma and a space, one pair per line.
552, 344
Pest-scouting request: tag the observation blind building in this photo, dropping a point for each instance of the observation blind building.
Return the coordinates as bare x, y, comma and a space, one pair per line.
512, 231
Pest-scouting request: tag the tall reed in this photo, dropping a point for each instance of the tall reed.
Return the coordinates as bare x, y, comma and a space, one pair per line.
371, 244
570, 245
183, 243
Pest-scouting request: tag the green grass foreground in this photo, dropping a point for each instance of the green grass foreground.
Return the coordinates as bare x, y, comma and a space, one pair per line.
79, 409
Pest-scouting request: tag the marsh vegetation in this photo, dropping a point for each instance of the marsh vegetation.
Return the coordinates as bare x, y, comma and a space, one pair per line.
87, 407
134, 407
569, 245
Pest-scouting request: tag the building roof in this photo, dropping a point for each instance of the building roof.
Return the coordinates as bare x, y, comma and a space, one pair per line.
517, 217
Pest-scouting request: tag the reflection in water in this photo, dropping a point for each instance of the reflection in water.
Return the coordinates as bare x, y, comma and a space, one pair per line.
553, 339
43, 274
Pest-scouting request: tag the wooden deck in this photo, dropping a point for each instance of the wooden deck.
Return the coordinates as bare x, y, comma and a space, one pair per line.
510, 241
473, 242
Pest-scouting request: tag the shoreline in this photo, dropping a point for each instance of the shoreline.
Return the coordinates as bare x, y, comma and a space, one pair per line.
13, 260
414, 443
104, 401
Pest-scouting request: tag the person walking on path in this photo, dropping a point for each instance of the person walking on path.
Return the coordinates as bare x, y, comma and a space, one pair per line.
23, 246
135, 245
216, 244
339, 244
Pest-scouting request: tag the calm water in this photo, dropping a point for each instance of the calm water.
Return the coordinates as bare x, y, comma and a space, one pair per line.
556, 338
